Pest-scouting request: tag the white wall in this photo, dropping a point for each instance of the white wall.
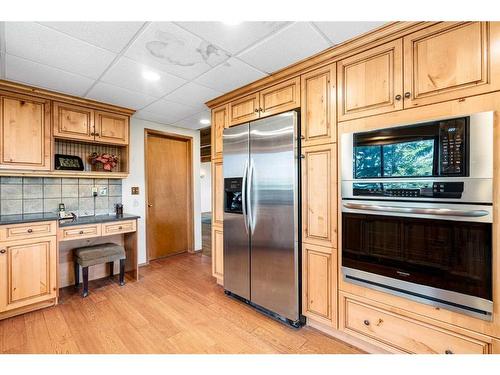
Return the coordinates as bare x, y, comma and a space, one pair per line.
206, 187
136, 204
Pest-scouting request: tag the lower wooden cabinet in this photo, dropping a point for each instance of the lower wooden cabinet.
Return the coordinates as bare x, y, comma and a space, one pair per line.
218, 192
28, 272
401, 334
319, 283
217, 253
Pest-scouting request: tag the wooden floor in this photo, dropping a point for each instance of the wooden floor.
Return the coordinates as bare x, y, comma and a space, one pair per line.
176, 307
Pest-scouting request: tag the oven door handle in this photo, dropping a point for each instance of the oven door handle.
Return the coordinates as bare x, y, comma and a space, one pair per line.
415, 210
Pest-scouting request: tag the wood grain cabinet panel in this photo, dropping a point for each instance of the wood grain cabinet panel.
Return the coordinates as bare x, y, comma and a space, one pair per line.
244, 110
25, 133
111, 128
218, 192
280, 98
217, 252
73, 122
401, 334
319, 106
29, 230
79, 232
371, 82
219, 122
119, 227
319, 195
319, 283
28, 272
450, 60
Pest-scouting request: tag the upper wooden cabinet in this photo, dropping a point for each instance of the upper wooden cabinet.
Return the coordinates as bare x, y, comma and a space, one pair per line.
73, 122
25, 132
319, 106
451, 60
244, 109
111, 128
281, 97
371, 82
219, 122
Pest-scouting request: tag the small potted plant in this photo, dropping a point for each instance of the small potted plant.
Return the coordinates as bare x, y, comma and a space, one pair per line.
105, 161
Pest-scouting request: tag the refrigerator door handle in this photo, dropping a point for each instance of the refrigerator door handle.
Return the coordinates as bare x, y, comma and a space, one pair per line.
251, 218
244, 197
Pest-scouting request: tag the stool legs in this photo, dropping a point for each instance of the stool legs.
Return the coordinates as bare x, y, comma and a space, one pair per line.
77, 274
85, 272
122, 272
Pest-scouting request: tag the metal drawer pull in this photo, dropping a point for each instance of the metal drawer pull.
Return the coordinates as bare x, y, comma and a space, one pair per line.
422, 211
366, 322
30, 230
448, 351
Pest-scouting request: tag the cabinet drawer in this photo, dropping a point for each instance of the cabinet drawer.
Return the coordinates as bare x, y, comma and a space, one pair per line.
404, 334
118, 227
30, 230
83, 231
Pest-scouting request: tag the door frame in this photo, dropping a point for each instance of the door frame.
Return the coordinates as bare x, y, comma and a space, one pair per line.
190, 202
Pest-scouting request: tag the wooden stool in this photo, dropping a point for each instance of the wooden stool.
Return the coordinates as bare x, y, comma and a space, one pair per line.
98, 254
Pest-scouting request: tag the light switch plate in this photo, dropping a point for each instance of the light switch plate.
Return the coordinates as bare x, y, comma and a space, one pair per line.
135, 190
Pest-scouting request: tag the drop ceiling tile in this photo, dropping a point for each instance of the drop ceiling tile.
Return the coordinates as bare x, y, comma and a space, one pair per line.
339, 32
31, 73
168, 47
127, 73
230, 75
150, 116
170, 111
107, 93
43, 45
193, 95
193, 122
289, 45
113, 36
232, 38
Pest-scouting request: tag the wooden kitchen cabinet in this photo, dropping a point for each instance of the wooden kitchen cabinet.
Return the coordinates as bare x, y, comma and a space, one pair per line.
217, 253
218, 189
371, 82
282, 97
319, 283
111, 128
73, 122
451, 60
319, 106
25, 132
319, 195
244, 109
219, 122
28, 272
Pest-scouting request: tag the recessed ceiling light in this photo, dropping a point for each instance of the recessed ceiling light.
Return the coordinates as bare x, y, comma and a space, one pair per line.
150, 76
204, 121
231, 23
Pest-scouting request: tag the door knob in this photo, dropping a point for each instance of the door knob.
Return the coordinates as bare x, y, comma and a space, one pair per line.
150, 205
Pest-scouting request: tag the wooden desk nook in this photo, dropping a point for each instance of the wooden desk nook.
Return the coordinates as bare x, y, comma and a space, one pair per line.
36, 256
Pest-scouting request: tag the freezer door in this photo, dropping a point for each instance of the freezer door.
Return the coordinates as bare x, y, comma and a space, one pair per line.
273, 209
236, 234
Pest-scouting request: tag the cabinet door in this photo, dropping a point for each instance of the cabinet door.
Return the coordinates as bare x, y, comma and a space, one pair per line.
25, 133
111, 128
217, 192
219, 122
319, 283
244, 109
280, 98
27, 272
217, 252
319, 195
73, 122
371, 82
451, 60
319, 106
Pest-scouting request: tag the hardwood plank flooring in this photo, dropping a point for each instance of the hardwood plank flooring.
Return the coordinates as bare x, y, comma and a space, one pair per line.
176, 307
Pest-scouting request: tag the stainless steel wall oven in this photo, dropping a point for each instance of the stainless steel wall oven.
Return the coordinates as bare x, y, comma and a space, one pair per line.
417, 211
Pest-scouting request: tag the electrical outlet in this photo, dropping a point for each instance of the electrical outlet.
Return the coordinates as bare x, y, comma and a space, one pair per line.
103, 191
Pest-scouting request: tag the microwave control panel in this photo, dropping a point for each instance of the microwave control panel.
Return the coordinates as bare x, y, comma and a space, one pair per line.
452, 158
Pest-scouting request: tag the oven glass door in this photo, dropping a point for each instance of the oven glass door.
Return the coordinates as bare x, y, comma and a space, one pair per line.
443, 254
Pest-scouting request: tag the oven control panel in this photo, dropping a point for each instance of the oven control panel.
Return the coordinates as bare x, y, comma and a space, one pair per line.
451, 190
452, 146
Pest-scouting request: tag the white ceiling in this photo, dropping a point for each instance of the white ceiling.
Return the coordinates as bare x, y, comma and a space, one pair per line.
196, 61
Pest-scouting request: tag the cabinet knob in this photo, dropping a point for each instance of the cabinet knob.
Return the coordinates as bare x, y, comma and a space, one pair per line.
256, 110
120, 227
407, 95
302, 156
366, 322
92, 133
448, 351
3, 251
81, 232
398, 97
302, 137
30, 230
96, 134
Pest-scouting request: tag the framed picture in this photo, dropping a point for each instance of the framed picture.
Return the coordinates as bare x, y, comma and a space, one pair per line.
68, 163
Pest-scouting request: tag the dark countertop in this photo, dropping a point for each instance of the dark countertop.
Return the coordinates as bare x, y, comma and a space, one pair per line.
30, 218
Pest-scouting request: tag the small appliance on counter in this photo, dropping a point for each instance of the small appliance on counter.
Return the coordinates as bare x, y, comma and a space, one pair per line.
65, 216
119, 210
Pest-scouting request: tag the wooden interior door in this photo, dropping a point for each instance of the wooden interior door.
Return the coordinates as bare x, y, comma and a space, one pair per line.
169, 194
111, 128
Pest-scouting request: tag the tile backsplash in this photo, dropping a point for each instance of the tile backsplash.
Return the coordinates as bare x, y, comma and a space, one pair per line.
27, 195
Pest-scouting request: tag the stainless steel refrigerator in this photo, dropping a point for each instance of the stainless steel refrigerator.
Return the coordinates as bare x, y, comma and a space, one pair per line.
261, 215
